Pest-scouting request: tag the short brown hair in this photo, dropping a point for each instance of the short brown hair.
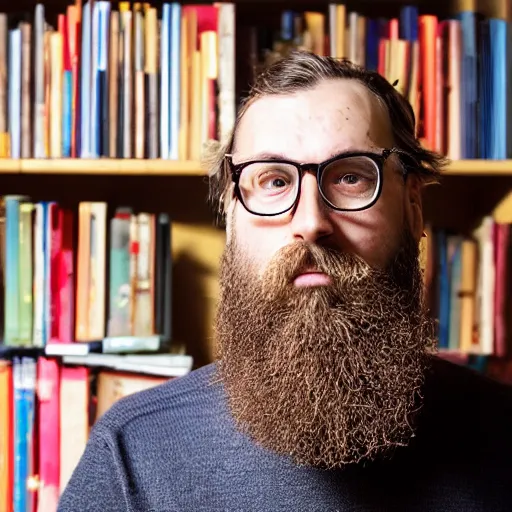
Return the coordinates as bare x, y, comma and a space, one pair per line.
302, 70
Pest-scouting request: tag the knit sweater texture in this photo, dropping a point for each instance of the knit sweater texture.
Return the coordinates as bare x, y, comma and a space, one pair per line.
176, 448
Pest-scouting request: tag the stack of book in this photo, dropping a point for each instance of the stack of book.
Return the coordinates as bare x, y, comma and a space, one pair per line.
123, 83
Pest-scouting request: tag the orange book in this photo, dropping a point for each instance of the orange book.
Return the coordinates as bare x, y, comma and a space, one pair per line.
114, 385
315, 22
185, 63
428, 62
83, 272
4, 132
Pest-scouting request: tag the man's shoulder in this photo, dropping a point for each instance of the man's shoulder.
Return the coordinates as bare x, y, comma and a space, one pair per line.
460, 386
464, 407
191, 396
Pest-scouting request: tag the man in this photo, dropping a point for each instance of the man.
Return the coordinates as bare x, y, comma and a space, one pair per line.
326, 395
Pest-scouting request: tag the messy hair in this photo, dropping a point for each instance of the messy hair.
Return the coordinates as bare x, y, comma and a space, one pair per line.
302, 70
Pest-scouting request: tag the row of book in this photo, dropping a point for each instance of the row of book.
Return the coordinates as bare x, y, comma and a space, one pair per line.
84, 273
454, 71
47, 409
131, 82
134, 80
468, 280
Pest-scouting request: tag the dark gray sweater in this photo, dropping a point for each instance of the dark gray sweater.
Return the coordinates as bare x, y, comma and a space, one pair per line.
175, 448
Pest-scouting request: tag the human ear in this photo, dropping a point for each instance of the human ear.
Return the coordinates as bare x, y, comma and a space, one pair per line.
414, 206
229, 216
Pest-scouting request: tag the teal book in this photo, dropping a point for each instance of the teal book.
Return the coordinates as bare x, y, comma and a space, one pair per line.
12, 270
120, 290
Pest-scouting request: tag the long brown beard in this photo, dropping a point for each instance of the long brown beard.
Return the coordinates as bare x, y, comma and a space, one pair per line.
328, 375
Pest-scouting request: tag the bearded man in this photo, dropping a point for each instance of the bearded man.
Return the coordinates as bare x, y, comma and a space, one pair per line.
327, 394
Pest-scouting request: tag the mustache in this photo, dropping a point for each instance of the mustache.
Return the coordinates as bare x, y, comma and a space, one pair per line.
289, 262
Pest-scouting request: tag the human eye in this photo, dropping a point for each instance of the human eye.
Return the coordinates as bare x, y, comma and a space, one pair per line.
351, 176
350, 179
273, 180
269, 177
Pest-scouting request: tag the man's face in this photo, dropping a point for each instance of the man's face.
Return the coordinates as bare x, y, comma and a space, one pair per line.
323, 366
312, 126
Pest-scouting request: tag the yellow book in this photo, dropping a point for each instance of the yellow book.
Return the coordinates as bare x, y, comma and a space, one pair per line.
55, 95
184, 90
209, 69
195, 110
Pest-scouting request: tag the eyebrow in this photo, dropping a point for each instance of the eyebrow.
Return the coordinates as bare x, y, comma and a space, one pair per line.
269, 155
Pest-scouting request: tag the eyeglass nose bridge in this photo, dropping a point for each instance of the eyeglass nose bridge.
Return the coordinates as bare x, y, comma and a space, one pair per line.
315, 169
308, 167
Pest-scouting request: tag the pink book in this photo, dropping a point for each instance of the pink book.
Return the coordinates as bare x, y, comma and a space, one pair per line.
501, 235
55, 240
65, 281
48, 384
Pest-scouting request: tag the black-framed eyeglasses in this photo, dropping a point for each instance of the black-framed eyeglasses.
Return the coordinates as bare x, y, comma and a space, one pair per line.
350, 181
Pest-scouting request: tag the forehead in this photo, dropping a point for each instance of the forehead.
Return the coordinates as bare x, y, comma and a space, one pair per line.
312, 125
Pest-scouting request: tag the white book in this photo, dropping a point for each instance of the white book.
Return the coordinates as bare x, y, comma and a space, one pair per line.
486, 277
166, 365
15, 92
97, 270
226, 71
39, 272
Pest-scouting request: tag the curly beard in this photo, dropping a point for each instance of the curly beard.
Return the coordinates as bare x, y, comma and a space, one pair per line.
327, 375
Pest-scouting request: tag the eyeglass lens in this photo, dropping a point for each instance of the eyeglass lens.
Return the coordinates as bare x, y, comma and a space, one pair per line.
269, 188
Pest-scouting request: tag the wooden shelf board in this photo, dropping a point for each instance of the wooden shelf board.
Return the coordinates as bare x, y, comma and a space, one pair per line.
159, 167
101, 166
479, 168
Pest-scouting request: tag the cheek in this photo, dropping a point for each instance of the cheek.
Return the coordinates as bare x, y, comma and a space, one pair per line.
373, 234
256, 239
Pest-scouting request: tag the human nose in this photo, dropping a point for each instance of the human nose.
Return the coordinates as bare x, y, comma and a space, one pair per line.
310, 221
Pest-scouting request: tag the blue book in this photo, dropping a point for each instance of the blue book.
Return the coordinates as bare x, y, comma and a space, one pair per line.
372, 44
165, 77
455, 262
484, 88
469, 86
99, 90
85, 84
24, 376
174, 81
67, 97
287, 23
443, 276
408, 26
102, 81
498, 89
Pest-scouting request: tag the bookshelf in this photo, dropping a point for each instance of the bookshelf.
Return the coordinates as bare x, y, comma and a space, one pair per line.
471, 188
